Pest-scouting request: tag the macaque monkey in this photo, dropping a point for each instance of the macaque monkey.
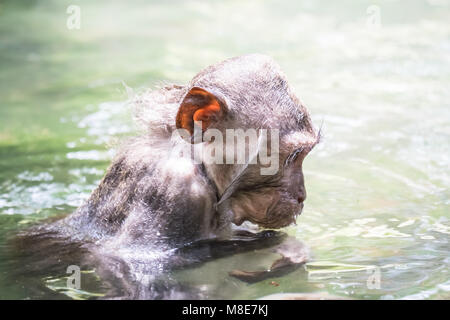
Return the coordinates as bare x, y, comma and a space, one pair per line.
154, 197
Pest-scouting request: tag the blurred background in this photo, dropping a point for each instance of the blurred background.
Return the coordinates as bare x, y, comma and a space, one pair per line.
374, 74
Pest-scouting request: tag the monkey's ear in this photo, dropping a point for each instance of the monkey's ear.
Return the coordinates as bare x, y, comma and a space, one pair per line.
199, 105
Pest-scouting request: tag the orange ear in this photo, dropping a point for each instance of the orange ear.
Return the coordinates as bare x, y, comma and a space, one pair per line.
199, 105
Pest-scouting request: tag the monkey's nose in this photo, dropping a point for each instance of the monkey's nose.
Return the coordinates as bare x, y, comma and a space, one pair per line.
301, 197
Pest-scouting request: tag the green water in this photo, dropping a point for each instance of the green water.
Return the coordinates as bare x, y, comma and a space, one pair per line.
377, 185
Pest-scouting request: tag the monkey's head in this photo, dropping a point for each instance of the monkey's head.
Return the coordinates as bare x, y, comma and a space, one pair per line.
251, 92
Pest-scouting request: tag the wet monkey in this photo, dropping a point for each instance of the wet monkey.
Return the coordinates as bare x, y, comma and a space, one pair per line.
153, 196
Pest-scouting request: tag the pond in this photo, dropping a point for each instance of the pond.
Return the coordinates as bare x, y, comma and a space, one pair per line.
375, 76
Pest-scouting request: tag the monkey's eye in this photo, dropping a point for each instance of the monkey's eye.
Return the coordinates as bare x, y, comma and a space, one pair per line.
293, 156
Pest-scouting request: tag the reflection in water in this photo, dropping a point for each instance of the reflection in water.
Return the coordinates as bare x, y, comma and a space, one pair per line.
131, 273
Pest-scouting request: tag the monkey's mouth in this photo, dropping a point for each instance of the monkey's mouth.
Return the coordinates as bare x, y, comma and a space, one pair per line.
275, 219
